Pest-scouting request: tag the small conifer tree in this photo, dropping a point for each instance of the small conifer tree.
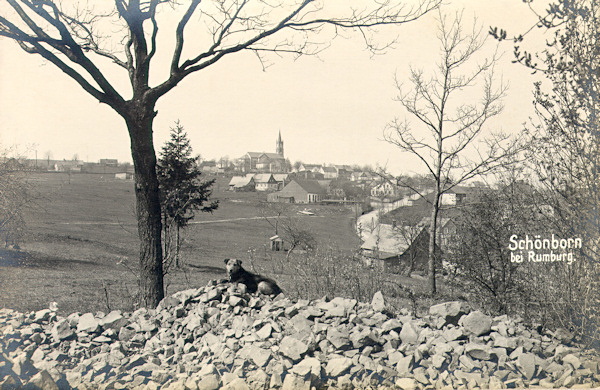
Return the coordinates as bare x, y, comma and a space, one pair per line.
182, 192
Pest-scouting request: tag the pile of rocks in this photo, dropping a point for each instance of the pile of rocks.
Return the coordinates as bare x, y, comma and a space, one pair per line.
220, 337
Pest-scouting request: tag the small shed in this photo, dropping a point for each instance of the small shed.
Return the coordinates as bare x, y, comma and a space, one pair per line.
276, 243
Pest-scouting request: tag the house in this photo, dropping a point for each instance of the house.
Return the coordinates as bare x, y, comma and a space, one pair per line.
309, 175
396, 248
384, 188
328, 172
282, 179
209, 166
124, 176
300, 191
265, 182
361, 176
309, 167
68, 166
242, 183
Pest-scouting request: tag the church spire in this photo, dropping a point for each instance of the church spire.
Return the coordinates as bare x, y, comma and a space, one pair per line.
279, 145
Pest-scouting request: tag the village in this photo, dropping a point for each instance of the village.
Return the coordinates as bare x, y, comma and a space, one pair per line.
391, 218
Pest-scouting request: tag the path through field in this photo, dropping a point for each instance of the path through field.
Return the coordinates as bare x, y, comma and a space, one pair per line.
191, 223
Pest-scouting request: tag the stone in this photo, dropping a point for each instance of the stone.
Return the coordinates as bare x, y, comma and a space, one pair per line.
113, 320
454, 333
293, 382
478, 351
23, 366
337, 366
237, 384
292, 348
340, 340
88, 323
42, 381
308, 365
362, 339
378, 303
409, 333
449, 311
476, 323
264, 332
526, 361
62, 330
406, 383
393, 324
404, 365
572, 360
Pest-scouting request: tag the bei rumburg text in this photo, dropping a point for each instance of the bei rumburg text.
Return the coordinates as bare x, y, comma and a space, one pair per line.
535, 249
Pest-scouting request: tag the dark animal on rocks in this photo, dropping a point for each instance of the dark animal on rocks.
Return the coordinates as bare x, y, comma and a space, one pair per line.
253, 282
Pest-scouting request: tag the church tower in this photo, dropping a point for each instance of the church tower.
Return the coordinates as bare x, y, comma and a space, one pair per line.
279, 146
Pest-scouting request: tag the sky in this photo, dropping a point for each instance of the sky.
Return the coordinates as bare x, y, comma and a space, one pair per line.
331, 109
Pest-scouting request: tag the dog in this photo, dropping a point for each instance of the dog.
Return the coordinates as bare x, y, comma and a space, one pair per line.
254, 283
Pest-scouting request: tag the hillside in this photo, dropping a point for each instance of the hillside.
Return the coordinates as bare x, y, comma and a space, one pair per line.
220, 337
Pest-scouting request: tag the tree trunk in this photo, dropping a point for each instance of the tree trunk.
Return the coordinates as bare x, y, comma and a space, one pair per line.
432, 241
177, 242
148, 209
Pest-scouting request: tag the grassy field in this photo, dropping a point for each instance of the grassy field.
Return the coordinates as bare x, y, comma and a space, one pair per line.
80, 247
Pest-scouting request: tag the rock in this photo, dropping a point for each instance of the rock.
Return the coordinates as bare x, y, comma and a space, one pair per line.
340, 340
337, 366
113, 320
62, 330
450, 312
391, 324
264, 332
478, 351
476, 323
292, 348
293, 382
42, 316
404, 365
308, 365
126, 333
23, 366
572, 360
406, 383
362, 339
526, 361
42, 381
237, 384
451, 334
409, 333
88, 323
378, 303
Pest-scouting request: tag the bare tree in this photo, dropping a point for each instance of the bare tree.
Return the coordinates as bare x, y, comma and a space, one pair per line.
78, 39
16, 195
449, 138
279, 216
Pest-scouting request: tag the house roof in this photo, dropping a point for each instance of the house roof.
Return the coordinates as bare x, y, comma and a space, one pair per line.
390, 241
311, 186
281, 176
272, 156
240, 181
263, 177
330, 169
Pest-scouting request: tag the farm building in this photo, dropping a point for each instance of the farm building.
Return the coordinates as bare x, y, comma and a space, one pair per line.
402, 248
242, 183
282, 179
265, 182
299, 191
393, 249
124, 176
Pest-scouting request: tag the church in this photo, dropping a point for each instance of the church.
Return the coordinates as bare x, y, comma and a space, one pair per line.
265, 162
